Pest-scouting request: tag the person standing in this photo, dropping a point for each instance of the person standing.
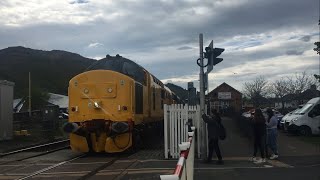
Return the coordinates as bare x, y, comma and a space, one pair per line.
259, 129
214, 124
272, 133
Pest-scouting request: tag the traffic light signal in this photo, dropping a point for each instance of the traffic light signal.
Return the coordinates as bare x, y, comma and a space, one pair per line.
212, 55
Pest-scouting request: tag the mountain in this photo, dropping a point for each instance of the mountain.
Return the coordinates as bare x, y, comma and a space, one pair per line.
179, 91
50, 70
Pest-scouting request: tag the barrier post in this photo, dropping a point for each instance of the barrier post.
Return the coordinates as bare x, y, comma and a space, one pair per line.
190, 159
165, 129
185, 167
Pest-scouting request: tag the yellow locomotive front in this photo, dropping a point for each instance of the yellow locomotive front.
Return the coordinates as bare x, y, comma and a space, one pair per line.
111, 103
101, 111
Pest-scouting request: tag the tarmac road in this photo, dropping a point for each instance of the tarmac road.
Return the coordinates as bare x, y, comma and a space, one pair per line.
298, 160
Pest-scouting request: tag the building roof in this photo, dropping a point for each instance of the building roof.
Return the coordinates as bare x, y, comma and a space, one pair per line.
308, 94
305, 95
5, 82
223, 84
59, 100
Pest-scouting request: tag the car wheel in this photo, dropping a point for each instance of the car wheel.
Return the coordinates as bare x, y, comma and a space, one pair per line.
305, 131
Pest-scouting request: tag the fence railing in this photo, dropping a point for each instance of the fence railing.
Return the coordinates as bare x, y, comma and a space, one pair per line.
176, 119
185, 166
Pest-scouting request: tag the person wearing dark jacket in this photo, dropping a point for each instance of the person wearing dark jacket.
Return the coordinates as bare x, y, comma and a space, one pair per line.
214, 123
259, 129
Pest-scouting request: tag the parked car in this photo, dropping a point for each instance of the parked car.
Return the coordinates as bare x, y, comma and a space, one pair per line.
63, 115
306, 120
287, 118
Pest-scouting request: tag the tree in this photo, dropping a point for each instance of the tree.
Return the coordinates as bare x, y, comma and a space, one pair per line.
317, 49
280, 88
39, 97
256, 90
299, 83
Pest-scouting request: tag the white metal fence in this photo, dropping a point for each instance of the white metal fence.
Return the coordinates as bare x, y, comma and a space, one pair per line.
175, 127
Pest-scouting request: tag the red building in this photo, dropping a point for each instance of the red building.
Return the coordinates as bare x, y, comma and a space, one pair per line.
225, 98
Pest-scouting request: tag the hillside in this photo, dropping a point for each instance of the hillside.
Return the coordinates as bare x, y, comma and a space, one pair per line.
50, 70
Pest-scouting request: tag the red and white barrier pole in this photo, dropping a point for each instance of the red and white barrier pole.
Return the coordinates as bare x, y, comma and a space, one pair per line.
185, 166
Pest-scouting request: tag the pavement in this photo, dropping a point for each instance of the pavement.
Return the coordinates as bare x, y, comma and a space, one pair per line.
298, 159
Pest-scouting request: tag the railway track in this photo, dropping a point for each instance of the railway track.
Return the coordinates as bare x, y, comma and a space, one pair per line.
93, 165
38, 150
38, 147
42, 162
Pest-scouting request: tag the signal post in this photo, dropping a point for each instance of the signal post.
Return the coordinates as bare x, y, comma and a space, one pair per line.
212, 55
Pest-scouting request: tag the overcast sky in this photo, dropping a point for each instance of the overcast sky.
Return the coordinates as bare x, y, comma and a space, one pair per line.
272, 38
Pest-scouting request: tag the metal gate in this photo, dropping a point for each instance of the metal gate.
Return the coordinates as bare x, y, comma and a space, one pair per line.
176, 120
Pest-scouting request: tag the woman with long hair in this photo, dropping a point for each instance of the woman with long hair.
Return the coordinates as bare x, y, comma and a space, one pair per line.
259, 129
272, 133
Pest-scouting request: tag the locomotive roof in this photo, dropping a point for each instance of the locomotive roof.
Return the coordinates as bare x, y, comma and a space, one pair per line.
120, 64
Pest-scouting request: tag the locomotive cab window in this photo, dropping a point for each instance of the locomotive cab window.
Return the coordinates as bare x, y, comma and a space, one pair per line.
120, 65
139, 98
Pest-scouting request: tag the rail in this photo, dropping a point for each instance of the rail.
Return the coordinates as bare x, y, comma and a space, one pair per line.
34, 147
185, 166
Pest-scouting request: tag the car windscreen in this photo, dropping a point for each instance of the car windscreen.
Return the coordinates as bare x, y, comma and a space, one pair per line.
304, 109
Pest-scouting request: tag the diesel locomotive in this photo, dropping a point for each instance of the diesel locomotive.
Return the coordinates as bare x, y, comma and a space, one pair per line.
111, 102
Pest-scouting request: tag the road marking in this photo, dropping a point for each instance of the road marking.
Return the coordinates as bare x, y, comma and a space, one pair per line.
268, 166
229, 168
158, 160
291, 147
277, 163
88, 163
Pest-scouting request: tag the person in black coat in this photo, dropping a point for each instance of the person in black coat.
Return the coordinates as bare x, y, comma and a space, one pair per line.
214, 123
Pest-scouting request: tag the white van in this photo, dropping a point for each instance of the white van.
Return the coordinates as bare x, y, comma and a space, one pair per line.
306, 120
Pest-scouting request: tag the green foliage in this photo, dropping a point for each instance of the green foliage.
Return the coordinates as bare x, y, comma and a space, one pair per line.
39, 97
317, 49
317, 76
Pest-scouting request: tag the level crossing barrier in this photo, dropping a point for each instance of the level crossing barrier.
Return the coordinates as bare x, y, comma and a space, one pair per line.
185, 167
177, 117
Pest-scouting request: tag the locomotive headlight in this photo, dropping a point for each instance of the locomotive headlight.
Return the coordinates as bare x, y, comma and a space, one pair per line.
96, 105
120, 127
110, 90
86, 91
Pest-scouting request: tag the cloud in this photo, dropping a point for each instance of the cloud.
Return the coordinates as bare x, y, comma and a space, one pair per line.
184, 48
306, 38
294, 52
163, 36
79, 2
94, 45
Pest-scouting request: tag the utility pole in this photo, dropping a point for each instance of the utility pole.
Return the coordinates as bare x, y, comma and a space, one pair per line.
29, 94
202, 129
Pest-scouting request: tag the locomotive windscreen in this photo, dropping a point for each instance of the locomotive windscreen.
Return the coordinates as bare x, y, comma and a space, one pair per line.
121, 65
